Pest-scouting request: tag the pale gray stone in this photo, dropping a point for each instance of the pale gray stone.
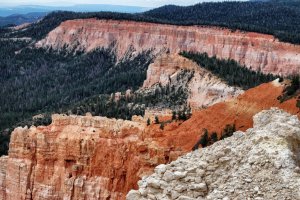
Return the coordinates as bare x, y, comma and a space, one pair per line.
259, 164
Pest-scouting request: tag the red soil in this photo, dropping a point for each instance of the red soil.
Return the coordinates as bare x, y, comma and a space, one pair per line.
239, 111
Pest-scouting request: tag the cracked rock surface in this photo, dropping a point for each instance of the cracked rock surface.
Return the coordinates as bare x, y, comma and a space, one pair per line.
262, 163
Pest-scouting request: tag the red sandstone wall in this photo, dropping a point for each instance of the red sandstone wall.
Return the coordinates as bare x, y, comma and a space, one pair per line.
92, 158
256, 51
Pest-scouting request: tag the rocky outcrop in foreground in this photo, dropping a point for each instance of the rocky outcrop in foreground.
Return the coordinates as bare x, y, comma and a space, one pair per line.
262, 163
257, 51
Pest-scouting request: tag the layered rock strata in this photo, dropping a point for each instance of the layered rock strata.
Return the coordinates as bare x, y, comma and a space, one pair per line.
97, 158
3, 170
256, 51
204, 89
77, 158
262, 163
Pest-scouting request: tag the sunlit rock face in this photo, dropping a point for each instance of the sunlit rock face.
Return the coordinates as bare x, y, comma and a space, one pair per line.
85, 157
76, 158
256, 51
262, 163
204, 89
3, 164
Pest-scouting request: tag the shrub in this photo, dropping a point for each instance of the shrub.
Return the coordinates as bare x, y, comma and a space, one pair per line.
162, 126
228, 131
213, 138
290, 90
174, 115
156, 120
203, 141
148, 122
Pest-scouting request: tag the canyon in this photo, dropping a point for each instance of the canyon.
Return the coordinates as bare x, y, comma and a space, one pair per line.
86, 157
256, 51
99, 158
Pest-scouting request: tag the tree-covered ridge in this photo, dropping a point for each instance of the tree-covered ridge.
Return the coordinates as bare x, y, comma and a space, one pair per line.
281, 19
41, 29
230, 71
17, 19
46, 81
122, 107
38, 80
173, 96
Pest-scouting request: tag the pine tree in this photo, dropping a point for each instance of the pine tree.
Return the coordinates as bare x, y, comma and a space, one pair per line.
162, 126
182, 115
148, 122
213, 137
156, 120
189, 111
174, 115
204, 138
228, 131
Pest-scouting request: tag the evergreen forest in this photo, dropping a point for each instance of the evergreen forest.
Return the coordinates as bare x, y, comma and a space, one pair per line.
44, 81
279, 18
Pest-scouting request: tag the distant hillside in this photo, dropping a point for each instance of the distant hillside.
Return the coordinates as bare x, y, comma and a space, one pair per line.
279, 19
284, 1
21, 19
27, 14
276, 1
6, 11
21, 10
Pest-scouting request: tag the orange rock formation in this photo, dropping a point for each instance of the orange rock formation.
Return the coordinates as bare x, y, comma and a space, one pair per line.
99, 158
239, 111
256, 51
77, 158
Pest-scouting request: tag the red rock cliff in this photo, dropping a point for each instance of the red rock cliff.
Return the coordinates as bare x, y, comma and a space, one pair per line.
77, 158
95, 158
256, 51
